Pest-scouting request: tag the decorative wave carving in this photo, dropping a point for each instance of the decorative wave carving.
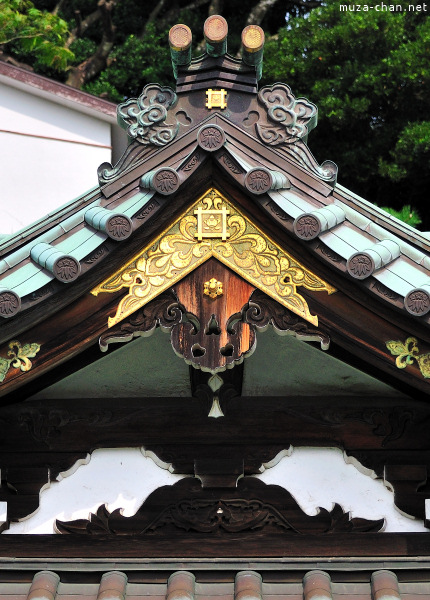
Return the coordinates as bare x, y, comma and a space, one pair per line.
251, 507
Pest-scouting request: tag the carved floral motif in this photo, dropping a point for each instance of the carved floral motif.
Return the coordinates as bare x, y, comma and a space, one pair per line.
211, 137
10, 303
166, 181
119, 227
360, 266
307, 227
407, 353
417, 302
144, 118
67, 269
247, 251
19, 358
258, 181
213, 288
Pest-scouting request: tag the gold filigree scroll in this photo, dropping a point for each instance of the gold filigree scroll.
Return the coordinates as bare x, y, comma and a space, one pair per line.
247, 251
19, 358
407, 353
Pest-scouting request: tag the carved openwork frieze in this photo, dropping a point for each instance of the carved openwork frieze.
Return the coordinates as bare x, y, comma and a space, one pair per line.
144, 118
246, 250
251, 507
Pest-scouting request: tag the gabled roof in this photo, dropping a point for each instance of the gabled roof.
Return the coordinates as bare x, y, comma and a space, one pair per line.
253, 147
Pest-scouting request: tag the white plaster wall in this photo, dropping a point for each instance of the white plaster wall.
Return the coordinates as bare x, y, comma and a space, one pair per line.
39, 175
319, 477
124, 478
121, 478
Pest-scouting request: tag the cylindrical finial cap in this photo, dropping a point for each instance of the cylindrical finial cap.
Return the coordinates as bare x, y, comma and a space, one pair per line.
215, 29
180, 37
252, 38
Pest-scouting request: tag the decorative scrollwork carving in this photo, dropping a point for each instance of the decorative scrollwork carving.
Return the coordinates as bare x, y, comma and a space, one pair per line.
247, 251
165, 312
294, 118
263, 311
327, 171
144, 118
252, 506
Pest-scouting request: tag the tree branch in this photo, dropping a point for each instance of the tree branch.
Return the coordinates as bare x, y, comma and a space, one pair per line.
152, 16
58, 7
82, 25
215, 7
257, 14
91, 67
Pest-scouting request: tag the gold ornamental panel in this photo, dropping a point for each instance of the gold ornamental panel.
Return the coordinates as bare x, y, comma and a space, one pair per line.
240, 245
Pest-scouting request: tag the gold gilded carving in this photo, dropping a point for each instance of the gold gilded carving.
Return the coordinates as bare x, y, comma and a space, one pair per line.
216, 98
246, 250
19, 358
213, 288
407, 353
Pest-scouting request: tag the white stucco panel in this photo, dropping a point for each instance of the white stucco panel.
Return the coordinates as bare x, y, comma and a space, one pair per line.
320, 477
124, 478
121, 478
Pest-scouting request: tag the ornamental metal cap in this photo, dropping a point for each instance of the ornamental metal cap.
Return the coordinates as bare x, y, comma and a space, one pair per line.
253, 48
180, 37
252, 38
215, 29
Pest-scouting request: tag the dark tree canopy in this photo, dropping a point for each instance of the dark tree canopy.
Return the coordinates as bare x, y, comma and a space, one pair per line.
368, 71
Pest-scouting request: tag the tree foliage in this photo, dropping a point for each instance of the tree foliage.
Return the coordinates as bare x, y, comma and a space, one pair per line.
368, 72
369, 75
33, 34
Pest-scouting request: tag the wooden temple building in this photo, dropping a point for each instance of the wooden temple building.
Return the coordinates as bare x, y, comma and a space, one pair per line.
218, 300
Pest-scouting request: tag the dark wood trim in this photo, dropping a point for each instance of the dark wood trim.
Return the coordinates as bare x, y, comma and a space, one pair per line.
335, 545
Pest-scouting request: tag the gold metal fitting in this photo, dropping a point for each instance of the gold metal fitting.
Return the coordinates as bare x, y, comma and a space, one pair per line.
216, 98
213, 288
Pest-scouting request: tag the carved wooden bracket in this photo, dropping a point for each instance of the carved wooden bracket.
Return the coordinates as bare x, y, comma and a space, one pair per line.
213, 333
252, 506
